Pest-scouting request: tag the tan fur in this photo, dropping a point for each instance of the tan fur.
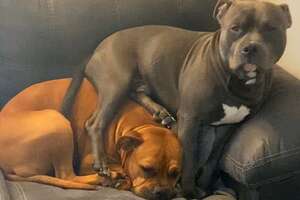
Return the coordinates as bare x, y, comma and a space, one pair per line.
32, 116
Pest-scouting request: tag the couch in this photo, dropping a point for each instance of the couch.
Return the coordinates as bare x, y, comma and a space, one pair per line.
46, 39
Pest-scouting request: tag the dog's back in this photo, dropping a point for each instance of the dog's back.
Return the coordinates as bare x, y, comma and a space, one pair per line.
44, 95
50, 94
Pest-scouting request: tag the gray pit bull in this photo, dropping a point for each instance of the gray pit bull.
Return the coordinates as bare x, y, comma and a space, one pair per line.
206, 79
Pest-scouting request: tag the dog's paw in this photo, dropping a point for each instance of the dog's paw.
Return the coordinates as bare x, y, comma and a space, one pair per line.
96, 166
107, 182
122, 183
116, 180
102, 170
164, 117
120, 180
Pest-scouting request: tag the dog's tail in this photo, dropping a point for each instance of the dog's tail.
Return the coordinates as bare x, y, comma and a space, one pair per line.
68, 101
49, 180
69, 98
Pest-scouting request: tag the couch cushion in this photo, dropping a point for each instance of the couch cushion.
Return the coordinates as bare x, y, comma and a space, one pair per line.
267, 147
35, 191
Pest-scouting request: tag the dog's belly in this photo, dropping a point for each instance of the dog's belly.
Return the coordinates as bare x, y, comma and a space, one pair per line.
232, 114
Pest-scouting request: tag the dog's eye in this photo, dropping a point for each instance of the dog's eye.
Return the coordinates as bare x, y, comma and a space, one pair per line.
235, 29
269, 28
149, 171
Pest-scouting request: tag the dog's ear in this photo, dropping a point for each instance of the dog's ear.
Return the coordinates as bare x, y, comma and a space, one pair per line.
221, 8
287, 14
129, 141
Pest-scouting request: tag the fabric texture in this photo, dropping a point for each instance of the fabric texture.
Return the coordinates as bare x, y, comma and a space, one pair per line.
4, 193
34, 191
266, 148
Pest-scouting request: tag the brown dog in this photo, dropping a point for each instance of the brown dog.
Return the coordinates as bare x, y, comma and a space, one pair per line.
36, 138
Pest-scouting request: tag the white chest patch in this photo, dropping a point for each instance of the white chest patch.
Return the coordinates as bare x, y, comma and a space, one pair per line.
233, 114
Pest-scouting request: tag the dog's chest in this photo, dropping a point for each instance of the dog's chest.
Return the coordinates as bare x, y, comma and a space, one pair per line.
232, 114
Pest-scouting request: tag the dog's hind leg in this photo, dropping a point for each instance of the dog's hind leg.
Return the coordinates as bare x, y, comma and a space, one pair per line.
97, 125
112, 80
67, 184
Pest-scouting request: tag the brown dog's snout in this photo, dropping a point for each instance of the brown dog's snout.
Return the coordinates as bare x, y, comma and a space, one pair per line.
163, 193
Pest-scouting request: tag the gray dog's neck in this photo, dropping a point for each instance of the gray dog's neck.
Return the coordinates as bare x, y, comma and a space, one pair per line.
220, 65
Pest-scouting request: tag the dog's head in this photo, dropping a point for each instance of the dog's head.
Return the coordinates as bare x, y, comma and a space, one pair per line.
253, 36
152, 161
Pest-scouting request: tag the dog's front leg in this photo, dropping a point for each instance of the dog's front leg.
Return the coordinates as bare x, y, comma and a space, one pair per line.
187, 132
159, 113
197, 141
210, 171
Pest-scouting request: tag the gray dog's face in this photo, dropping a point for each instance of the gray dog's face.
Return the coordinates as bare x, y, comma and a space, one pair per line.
253, 36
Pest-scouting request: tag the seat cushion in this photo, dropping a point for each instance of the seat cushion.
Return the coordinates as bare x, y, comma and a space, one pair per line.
35, 191
266, 148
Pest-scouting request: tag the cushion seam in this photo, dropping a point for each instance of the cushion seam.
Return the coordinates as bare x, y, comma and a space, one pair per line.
245, 169
275, 156
20, 190
279, 154
268, 160
273, 179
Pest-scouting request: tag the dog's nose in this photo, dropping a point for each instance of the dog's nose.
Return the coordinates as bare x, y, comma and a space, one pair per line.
250, 50
162, 193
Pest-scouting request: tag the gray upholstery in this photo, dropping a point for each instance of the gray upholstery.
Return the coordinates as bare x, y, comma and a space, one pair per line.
265, 151
267, 147
46, 39
34, 191
4, 193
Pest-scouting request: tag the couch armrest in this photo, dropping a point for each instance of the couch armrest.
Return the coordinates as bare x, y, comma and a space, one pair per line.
266, 148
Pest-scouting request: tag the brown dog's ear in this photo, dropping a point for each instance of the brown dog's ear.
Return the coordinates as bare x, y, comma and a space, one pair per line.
287, 14
129, 141
221, 8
